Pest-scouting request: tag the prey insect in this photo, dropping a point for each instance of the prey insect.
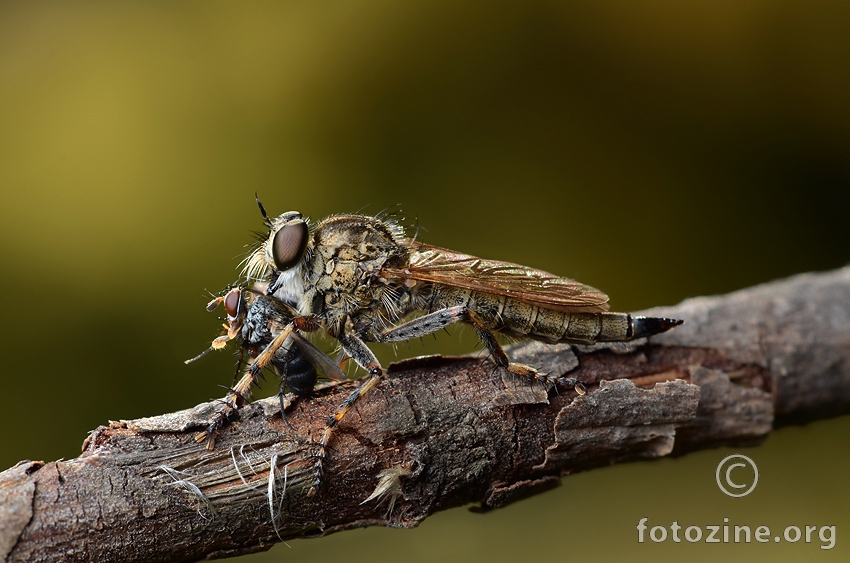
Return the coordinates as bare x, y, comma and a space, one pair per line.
268, 331
359, 276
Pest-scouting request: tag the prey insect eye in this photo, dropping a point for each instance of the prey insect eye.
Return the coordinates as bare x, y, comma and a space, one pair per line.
289, 245
231, 302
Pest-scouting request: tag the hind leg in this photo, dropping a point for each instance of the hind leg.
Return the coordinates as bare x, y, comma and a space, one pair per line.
439, 320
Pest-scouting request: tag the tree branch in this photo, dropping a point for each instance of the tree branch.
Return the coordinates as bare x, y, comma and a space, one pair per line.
437, 433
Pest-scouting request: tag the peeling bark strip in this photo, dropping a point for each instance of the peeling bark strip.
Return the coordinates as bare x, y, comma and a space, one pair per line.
437, 433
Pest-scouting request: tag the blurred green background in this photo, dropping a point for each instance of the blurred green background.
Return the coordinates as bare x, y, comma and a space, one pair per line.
656, 150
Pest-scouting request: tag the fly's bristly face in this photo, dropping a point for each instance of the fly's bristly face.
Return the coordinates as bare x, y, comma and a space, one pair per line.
282, 250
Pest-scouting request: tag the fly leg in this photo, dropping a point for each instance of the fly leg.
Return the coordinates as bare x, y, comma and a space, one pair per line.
236, 397
438, 320
283, 373
239, 394
360, 353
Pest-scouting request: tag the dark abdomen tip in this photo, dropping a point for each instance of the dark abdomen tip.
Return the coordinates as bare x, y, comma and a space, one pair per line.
647, 326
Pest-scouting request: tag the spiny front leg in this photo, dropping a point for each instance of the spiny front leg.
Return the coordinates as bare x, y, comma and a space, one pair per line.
360, 353
241, 392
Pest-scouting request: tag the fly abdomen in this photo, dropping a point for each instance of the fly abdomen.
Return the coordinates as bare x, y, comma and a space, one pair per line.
647, 326
487, 306
517, 318
552, 325
297, 372
587, 328
613, 327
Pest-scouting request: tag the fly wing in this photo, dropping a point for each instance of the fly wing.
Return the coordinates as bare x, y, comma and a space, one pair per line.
536, 287
324, 366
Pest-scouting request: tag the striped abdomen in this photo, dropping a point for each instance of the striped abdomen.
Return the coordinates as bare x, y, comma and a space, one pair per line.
517, 318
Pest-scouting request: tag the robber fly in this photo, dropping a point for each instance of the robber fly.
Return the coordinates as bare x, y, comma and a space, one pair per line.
359, 276
268, 331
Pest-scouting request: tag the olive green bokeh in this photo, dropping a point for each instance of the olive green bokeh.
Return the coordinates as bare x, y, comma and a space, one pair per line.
712, 137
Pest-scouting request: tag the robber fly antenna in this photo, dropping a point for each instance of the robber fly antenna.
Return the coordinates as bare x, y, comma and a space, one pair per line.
199, 356
266, 220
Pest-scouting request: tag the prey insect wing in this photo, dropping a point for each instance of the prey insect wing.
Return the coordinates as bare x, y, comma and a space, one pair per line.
325, 367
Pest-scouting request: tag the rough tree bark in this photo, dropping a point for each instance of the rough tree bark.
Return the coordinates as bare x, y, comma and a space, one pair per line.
438, 432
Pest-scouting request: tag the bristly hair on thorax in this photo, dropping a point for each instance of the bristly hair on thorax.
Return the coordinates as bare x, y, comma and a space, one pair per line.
258, 263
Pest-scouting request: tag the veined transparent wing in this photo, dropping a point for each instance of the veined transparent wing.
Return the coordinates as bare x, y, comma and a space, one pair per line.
536, 287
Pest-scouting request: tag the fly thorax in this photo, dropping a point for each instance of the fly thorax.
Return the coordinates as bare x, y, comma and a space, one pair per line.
394, 302
255, 329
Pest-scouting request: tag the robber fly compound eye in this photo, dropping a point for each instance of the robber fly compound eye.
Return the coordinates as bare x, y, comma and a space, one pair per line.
289, 244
